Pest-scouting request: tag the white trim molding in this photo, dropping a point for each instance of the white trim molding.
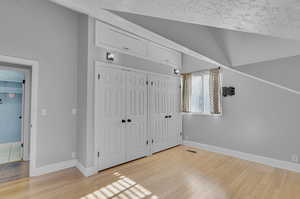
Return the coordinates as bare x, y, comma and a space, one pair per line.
86, 171
246, 156
54, 167
34, 103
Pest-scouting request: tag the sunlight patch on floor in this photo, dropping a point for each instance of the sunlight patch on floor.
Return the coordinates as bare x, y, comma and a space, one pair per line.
123, 188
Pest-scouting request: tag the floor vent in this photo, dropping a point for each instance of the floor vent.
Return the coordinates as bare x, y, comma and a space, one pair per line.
191, 151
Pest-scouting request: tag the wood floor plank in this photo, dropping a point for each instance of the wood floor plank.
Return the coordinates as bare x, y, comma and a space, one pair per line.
171, 174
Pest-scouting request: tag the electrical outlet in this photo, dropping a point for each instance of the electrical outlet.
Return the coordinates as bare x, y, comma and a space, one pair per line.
73, 155
294, 158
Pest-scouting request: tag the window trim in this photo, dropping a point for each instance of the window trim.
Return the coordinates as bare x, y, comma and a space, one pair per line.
221, 99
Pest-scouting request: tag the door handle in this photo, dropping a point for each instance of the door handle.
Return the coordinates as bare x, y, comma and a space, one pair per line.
123, 121
129, 120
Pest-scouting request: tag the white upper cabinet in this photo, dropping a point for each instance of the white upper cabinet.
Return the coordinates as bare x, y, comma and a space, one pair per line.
116, 39
164, 55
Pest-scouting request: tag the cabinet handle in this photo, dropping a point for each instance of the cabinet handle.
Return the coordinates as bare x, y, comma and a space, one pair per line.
152, 141
166, 116
170, 116
129, 120
125, 48
123, 121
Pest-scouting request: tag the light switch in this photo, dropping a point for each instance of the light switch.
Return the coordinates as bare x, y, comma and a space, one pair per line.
74, 111
44, 112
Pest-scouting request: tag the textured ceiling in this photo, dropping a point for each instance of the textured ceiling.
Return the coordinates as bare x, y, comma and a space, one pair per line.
279, 18
232, 48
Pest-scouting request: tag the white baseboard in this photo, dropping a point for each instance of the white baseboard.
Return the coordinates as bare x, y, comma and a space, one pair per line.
54, 167
86, 171
246, 156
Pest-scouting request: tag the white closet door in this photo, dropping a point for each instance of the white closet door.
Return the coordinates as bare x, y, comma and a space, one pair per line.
136, 115
173, 110
110, 102
157, 112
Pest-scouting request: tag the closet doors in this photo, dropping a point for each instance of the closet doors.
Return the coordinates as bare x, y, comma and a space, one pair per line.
133, 111
164, 112
120, 116
136, 114
110, 116
158, 112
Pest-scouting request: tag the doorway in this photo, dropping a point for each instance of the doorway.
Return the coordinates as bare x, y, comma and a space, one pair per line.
14, 122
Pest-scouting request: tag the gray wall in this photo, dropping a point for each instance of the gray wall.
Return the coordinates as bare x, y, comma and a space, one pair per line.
283, 71
86, 79
260, 119
43, 31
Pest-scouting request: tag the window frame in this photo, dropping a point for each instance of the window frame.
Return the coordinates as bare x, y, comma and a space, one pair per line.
221, 99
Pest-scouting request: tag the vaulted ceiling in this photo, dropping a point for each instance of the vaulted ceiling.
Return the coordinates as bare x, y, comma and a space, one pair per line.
280, 18
229, 47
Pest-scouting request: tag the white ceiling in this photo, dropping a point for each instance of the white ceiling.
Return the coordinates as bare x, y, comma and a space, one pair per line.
11, 76
232, 48
280, 18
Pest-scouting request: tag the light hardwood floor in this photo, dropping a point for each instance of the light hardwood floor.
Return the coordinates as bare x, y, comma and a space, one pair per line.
174, 174
13, 171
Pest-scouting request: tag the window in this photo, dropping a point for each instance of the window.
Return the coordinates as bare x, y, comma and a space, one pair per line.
201, 92
200, 101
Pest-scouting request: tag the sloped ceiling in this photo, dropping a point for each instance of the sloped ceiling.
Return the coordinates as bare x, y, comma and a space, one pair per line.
280, 18
246, 48
232, 48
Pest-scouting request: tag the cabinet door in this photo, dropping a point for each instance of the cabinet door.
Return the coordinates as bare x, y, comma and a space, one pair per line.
117, 39
136, 114
110, 102
173, 109
158, 112
164, 55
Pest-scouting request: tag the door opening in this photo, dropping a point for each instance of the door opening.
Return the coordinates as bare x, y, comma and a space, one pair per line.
14, 122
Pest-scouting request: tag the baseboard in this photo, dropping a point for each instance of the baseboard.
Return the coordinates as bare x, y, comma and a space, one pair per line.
86, 171
246, 156
54, 167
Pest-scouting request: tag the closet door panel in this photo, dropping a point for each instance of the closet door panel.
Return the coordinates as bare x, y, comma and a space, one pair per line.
158, 112
109, 110
136, 127
174, 120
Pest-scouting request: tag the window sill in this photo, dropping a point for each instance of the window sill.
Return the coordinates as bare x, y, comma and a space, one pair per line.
204, 114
